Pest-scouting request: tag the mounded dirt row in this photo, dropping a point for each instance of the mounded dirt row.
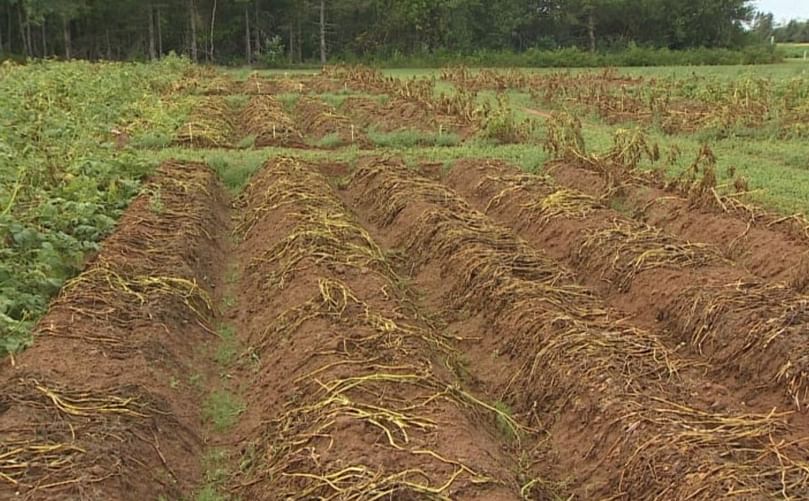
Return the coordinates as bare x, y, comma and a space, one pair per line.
256, 85
97, 409
352, 394
264, 117
211, 124
398, 114
766, 246
214, 123
754, 334
319, 120
624, 419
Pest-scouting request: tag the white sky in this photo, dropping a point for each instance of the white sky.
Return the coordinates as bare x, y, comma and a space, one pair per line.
785, 9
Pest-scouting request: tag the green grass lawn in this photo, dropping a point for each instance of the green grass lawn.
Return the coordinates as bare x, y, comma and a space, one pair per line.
795, 50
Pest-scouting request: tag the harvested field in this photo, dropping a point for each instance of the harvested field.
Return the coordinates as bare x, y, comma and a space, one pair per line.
116, 428
660, 280
347, 329
541, 328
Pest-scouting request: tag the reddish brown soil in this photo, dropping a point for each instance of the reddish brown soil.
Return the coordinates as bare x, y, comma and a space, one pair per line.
765, 250
413, 349
704, 301
347, 382
598, 388
101, 406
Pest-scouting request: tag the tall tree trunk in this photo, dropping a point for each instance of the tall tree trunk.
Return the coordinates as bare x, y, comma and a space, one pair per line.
159, 33
152, 43
109, 44
299, 43
193, 12
248, 49
257, 45
66, 36
1, 40
25, 49
8, 30
28, 35
213, 22
291, 42
323, 32
44, 33
591, 30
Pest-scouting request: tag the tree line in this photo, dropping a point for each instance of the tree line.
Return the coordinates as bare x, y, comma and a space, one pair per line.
794, 31
293, 31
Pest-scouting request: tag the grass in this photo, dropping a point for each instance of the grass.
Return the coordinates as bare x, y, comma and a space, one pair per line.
228, 348
503, 425
288, 100
777, 170
222, 409
410, 138
795, 50
780, 70
333, 140
215, 465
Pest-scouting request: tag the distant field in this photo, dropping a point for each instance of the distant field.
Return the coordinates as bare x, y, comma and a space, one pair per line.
795, 50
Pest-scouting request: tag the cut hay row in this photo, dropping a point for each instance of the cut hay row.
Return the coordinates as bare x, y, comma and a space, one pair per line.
355, 392
624, 417
708, 303
265, 118
748, 235
210, 125
319, 120
89, 412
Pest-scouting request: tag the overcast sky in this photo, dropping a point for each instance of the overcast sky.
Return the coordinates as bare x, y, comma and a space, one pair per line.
785, 9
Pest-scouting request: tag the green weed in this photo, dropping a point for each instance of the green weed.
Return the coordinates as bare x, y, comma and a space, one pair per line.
333, 140
223, 409
228, 348
504, 425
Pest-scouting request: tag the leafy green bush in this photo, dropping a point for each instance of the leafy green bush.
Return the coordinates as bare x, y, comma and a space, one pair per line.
64, 177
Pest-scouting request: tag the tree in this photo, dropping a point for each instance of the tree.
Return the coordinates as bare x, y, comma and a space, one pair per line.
323, 32
316, 30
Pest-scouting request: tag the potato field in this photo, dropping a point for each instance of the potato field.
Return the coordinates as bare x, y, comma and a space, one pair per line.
356, 285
